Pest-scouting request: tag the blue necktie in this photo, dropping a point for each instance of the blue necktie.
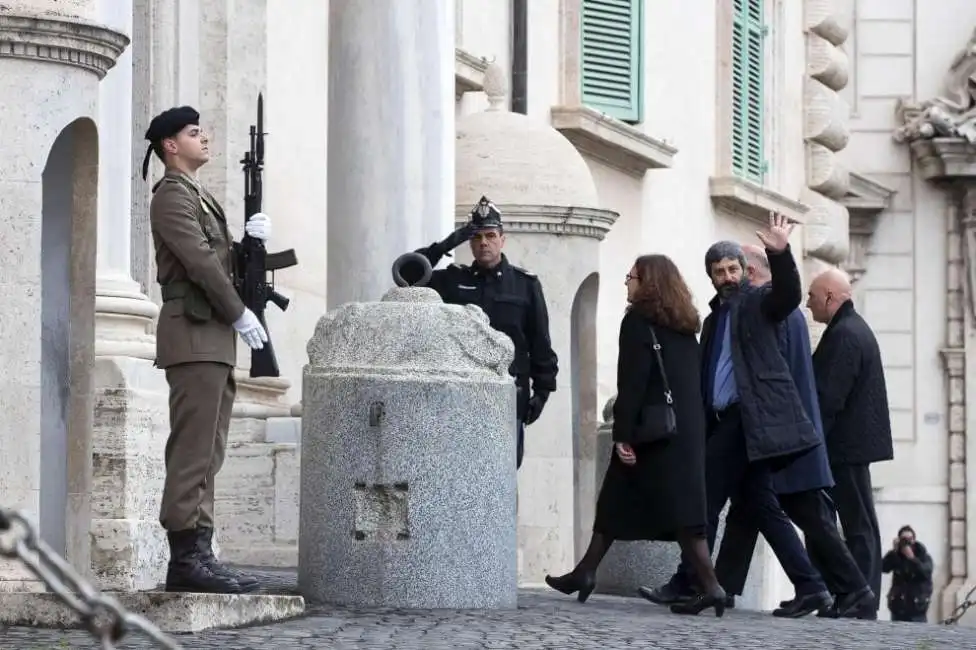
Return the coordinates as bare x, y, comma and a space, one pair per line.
718, 336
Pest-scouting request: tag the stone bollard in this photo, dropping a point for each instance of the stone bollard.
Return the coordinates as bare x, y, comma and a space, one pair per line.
408, 457
629, 565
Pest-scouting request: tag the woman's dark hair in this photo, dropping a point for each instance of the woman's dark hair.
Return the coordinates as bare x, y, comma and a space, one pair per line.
907, 529
663, 296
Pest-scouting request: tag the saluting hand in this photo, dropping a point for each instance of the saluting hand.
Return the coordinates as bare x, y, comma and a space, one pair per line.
777, 236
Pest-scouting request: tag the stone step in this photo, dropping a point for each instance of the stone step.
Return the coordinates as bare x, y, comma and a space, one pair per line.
170, 612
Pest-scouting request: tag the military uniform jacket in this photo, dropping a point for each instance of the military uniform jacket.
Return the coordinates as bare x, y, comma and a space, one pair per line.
513, 300
194, 253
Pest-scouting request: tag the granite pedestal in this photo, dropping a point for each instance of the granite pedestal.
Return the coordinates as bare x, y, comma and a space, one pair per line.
408, 457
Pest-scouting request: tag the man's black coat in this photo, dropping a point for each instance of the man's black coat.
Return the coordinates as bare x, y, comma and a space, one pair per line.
852, 391
775, 423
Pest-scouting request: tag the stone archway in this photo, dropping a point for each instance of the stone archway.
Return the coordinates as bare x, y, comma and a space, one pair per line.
583, 388
68, 232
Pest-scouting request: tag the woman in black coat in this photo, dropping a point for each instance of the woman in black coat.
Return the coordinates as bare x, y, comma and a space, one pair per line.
656, 490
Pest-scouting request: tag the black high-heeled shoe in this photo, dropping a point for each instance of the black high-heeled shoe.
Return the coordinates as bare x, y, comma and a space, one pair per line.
571, 583
700, 603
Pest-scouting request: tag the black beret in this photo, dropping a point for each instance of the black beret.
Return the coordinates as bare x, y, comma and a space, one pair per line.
486, 215
166, 125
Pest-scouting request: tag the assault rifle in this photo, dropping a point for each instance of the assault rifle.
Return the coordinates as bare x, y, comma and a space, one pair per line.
253, 260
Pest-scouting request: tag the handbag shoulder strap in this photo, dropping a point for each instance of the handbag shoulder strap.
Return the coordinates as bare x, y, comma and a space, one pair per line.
656, 345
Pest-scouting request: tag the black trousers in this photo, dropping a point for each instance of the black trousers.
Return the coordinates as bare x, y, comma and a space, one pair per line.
737, 548
520, 448
910, 618
731, 474
853, 500
812, 512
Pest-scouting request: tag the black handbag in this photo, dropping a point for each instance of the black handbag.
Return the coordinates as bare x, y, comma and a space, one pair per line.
658, 421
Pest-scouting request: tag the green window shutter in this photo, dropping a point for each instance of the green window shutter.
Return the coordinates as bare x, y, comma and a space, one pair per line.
611, 63
748, 109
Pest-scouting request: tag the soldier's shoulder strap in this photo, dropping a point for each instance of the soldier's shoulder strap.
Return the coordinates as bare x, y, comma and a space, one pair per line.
178, 180
523, 271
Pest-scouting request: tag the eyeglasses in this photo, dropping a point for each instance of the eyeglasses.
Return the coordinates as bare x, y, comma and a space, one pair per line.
631, 277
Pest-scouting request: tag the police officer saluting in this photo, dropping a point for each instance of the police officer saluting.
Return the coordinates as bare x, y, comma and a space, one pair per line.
511, 297
195, 346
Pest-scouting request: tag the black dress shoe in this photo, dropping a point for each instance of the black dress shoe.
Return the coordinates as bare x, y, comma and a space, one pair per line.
852, 604
666, 594
803, 605
700, 603
730, 601
571, 583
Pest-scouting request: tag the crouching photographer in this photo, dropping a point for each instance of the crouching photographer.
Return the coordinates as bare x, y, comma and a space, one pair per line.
911, 580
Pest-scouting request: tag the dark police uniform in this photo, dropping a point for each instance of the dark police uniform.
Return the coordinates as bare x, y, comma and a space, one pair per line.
513, 300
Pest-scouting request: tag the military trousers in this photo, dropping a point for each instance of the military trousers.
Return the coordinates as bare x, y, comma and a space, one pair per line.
201, 396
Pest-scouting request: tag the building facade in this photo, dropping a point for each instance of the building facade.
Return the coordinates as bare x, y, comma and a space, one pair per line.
603, 129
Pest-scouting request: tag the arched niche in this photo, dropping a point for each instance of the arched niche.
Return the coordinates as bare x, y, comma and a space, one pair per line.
583, 380
68, 231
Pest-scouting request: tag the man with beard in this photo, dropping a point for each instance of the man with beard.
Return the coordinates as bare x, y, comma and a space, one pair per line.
800, 485
757, 421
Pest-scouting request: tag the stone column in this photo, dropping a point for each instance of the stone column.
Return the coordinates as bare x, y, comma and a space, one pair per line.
391, 138
51, 58
130, 406
122, 311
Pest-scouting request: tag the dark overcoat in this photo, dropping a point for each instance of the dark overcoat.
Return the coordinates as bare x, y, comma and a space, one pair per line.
810, 470
774, 419
664, 491
852, 391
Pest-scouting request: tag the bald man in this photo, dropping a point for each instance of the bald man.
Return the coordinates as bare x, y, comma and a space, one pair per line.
854, 409
799, 485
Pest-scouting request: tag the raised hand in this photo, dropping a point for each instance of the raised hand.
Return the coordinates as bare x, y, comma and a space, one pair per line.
777, 236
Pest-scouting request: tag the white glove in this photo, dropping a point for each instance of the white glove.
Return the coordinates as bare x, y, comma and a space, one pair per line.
251, 330
259, 226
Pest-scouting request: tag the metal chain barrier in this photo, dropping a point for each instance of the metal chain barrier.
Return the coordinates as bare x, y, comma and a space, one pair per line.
960, 611
103, 616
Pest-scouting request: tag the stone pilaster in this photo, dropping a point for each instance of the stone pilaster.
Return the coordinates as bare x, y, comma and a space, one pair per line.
950, 162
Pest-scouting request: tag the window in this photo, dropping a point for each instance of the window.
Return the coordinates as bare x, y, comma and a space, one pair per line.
748, 102
612, 50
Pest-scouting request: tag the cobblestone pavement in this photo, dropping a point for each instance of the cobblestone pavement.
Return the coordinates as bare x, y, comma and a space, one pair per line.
543, 620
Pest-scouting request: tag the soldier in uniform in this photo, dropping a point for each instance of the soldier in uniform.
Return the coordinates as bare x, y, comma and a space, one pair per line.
511, 297
199, 321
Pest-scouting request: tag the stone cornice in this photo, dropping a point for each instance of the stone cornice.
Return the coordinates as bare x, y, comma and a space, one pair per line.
745, 199
72, 42
866, 195
550, 220
611, 141
945, 158
469, 72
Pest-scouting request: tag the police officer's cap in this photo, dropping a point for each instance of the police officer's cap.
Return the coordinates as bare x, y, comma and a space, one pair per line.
486, 215
166, 125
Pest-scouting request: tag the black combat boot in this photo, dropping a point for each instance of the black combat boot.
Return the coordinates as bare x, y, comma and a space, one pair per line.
188, 573
205, 546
